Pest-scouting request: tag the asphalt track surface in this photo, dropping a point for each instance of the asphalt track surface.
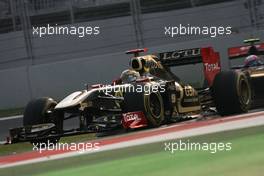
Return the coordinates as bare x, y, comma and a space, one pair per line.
165, 133
7, 123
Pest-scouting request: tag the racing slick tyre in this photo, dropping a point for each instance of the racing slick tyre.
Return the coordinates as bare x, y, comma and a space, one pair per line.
40, 111
151, 104
232, 93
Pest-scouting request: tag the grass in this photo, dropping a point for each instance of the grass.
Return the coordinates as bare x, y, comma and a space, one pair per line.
245, 158
11, 112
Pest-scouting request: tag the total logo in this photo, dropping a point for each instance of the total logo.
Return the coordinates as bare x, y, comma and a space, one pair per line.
211, 67
131, 117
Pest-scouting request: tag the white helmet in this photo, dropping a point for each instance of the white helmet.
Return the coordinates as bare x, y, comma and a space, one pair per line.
252, 60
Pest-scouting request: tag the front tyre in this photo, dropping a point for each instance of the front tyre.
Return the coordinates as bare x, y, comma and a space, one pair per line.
39, 111
154, 108
151, 104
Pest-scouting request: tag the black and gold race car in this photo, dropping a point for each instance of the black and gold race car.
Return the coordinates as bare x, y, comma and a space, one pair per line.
251, 75
148, 94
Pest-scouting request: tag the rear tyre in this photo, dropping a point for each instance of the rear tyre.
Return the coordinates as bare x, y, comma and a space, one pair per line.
151, 104
232, 93
40, 111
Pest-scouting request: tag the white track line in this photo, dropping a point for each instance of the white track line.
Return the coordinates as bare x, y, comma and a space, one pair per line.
2, 142
225, 126
11, 117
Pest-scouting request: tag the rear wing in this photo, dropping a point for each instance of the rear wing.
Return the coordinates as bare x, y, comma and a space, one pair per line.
244, 51
207, 56
181, 57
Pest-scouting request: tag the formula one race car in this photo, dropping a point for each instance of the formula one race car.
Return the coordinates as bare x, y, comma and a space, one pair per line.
252, 71
148, 94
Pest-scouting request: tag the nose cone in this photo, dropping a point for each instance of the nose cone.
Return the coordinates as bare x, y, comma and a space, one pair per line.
72, 100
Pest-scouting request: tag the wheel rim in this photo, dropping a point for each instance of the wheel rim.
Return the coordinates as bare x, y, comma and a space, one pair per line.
155, 105
49, 117
244, 92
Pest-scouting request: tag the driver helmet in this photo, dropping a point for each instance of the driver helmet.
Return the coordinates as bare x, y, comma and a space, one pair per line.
252, 61
129, 75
